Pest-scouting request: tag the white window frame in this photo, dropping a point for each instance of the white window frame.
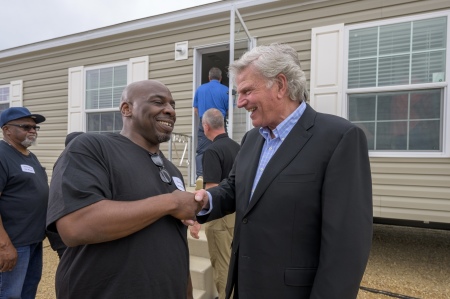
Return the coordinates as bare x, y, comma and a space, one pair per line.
90, 68
15, 93
137, 69
9, 95
445, 152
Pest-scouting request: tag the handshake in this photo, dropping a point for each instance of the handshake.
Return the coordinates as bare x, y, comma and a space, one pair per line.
188, 205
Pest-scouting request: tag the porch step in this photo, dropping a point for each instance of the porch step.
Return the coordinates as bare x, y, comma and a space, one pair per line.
199, 294
201, 273
198, 247
200, 267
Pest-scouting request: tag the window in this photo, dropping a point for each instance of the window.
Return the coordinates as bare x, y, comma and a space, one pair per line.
104, 88
400, 121
94, 94
4, 98
396, 84
405, 53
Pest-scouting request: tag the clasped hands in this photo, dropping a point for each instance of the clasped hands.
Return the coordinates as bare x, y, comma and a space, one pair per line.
201, 197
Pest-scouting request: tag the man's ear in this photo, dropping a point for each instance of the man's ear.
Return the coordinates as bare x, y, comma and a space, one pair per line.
282, 84
125, 109
4, 129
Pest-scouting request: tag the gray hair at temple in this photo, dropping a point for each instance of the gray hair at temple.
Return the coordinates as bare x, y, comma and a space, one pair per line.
271, 60
214, 118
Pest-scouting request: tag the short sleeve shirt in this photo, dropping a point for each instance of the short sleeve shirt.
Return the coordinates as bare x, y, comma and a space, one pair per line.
211, 95
218, 159
151, 263
24, 196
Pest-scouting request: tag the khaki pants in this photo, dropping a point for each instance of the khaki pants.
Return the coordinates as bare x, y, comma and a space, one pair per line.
220, 234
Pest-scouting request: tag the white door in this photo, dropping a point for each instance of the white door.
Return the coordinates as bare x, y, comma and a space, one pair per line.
214, 55
240, 41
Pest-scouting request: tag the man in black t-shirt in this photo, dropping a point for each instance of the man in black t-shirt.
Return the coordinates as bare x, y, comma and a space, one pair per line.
116, 202
218, 160
23, 205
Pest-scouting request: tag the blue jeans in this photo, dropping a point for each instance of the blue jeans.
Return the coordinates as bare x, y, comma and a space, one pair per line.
22, 282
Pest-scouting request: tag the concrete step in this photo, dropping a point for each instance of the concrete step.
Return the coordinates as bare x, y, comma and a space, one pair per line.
200, 267
202, 275
201, 272
198, 247
200, 294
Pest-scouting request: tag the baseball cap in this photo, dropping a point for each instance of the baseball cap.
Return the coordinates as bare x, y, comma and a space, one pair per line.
16, 113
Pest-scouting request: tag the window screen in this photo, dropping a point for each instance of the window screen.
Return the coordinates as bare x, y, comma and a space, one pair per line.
104, 88
4, 98
398, 54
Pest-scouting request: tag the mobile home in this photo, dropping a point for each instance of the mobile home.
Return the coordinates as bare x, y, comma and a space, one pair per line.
381, 64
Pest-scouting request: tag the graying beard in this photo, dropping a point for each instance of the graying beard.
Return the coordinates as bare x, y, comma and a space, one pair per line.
27, 143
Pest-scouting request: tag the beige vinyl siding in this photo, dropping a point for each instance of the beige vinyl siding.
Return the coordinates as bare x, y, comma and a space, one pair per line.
45, 82
401, 187
412, 188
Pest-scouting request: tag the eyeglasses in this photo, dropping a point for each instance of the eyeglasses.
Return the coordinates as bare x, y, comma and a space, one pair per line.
163, 173
25, 127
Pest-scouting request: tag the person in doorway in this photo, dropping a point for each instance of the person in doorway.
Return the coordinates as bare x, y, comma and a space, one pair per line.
300, 186
209, 95
53, 237
117, 202
23, 205
218, 160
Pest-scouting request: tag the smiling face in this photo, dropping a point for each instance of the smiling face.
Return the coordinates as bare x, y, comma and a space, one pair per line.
149, 111
17, 135
259, 97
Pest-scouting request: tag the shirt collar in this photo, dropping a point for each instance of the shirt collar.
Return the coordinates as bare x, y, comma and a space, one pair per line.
220, 136
283, 129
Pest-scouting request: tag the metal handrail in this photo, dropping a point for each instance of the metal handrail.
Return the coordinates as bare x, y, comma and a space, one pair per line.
181, 157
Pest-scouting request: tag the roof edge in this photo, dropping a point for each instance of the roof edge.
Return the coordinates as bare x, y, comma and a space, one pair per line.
180, 15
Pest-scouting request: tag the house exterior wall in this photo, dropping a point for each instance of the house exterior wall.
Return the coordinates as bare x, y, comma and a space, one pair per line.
403, 188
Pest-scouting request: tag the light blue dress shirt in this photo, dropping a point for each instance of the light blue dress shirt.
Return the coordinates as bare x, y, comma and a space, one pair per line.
271, 145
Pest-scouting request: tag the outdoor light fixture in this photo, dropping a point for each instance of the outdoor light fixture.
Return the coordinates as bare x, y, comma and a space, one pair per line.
181, 50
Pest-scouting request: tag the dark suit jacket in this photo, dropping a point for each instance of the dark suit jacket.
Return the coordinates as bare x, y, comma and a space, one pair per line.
307, 231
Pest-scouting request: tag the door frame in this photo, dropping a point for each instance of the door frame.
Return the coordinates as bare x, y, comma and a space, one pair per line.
198, 52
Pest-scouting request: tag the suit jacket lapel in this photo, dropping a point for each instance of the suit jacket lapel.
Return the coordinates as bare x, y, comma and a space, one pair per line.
255, 143
290, 147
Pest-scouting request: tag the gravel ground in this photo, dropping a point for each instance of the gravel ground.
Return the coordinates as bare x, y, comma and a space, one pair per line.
412, 262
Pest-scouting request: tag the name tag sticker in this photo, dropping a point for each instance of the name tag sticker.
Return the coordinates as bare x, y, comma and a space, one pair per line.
178, 183
27, 168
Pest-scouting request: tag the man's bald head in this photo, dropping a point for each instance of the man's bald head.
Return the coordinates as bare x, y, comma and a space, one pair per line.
130, 90
148, 113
